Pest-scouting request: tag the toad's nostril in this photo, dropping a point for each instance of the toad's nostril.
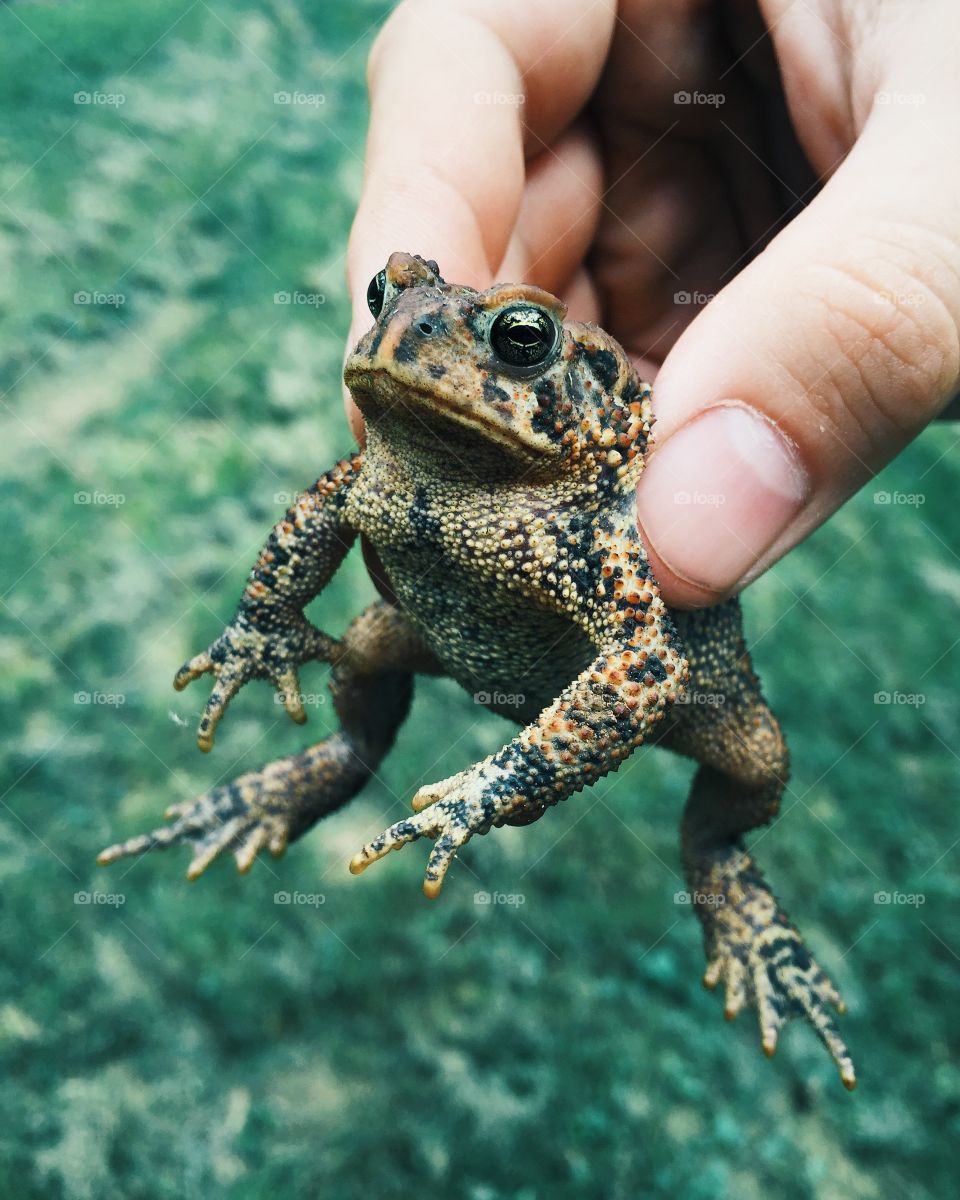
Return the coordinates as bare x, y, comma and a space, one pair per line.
425, 328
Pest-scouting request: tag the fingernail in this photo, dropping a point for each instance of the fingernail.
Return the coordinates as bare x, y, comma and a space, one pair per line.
717, 494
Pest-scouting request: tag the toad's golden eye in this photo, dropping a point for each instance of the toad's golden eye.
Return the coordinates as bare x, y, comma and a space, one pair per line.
376, 289
523, 336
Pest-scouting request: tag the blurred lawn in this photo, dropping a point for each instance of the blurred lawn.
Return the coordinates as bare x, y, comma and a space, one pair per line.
205, 1040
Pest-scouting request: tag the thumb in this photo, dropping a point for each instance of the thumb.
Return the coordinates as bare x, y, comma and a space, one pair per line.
813, 368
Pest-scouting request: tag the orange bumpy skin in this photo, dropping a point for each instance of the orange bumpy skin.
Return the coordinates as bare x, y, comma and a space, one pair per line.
497, 488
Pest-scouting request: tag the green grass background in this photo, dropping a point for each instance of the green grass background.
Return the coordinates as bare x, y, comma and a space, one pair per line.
201, 1039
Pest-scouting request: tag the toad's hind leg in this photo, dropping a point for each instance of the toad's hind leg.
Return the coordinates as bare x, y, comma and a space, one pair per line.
751, 946
372, 686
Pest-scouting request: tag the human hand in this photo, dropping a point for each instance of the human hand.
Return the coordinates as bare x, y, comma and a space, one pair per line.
809, 180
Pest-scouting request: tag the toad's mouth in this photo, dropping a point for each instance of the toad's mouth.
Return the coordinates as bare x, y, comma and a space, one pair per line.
382, 398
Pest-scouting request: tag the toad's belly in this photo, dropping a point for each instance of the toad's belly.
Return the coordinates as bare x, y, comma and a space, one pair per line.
512, 656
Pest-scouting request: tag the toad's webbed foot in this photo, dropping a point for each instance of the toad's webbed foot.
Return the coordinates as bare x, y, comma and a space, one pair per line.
245, 651
262, 809
371, 689
450, 812
760, 957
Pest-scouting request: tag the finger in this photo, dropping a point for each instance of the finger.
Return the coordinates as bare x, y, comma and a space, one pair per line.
391, 839
157, 839
441, 856
558, 214
829, 990
769, 1018
582, 299
248, 851
736, 993
225, 688
827, 1031
212, 846
813, 368
288, 686
430, 793
199, 665
713, 974
445, 179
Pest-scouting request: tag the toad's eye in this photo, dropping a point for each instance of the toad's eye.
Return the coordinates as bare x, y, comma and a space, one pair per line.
523, 336
375, 293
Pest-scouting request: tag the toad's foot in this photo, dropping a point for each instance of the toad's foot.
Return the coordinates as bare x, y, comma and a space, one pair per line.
450, 812
244, 652
762, 960
267, 808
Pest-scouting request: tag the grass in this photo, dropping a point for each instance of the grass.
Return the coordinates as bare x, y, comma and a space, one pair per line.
206, 1039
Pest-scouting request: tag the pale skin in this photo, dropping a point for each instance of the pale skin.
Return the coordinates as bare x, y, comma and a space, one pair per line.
810, 181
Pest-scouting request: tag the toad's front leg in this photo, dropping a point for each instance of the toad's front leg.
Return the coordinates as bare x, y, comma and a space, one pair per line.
269, 637
589, 729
